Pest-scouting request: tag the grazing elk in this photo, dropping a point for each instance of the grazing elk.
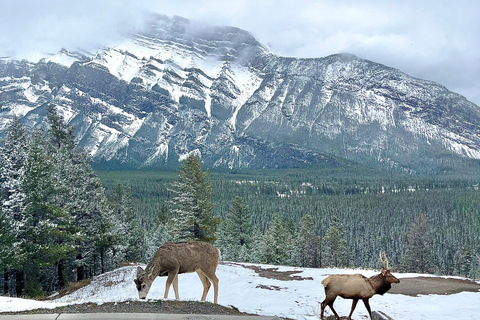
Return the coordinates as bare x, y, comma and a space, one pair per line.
172, 259
356, 287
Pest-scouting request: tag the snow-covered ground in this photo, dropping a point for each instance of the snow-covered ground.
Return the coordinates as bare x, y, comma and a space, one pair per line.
243, 288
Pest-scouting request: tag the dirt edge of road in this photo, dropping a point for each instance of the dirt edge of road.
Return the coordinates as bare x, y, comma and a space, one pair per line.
149, 306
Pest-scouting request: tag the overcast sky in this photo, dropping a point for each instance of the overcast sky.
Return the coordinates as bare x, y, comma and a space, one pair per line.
431, 39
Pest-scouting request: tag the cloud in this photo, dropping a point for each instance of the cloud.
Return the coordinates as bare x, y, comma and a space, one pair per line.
433, 40
39, 27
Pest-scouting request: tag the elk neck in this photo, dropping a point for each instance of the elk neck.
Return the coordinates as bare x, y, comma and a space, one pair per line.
153, 269
379, 284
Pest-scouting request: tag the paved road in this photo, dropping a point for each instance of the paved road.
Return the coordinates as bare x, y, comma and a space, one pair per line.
131, 316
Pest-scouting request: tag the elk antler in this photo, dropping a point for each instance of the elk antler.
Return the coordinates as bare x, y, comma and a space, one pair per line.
384, 260
381, 260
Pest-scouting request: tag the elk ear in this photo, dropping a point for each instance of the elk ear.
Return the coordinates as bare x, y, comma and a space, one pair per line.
384, 271
140, 271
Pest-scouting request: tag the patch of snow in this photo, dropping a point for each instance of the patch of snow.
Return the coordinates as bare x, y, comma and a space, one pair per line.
184, 156
30, 95
14, 110
248, 83
66, 112
161, 149
208, 105
120, 63
246, 290
450, 140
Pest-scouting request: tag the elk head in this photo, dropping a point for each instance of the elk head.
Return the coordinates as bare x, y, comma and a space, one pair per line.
389, 278
143, 283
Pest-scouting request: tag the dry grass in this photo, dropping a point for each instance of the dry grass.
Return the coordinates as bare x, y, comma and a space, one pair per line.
69, 288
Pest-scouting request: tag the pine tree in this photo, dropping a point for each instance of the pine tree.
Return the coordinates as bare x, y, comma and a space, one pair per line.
236, 232
7, 239
417, 256
80, 190
46, 230
274, 246
60, 134
7, 253
158, 235
129, 236
89, 207
13, 156
307, 251
192, 207
465, 261
12, 160
335, 246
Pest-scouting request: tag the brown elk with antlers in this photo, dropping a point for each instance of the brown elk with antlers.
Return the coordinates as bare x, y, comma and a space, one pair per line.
172, 259
356, 287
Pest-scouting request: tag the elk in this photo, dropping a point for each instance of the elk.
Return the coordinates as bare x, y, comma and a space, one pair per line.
356, 287
172, 259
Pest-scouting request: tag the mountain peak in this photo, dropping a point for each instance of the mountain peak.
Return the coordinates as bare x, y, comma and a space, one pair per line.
345, 56
229, 42
180, 86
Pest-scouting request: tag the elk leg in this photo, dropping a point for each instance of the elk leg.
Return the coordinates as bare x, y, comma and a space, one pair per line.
354, 304
170, 278
367, 305
334, 312
214, 280
210, 274
175, 286
323, 305
329, 302
205, 282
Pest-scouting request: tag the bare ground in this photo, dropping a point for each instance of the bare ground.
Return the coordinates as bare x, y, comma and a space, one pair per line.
152, 306
272, 273
433, 285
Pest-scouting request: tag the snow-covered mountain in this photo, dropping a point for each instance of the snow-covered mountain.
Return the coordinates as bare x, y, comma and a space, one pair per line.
180, 87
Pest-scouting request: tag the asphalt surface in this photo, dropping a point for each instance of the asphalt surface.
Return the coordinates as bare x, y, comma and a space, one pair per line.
132, 316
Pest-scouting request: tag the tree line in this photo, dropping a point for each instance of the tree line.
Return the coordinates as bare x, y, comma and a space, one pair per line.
56, 223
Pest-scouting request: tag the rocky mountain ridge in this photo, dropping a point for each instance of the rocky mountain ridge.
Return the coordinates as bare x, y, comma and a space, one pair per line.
179, 87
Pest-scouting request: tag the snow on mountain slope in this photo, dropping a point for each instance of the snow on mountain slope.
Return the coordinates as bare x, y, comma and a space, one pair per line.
243, 288
179, 87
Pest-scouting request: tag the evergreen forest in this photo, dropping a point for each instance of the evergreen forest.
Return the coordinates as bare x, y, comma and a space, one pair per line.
61, 221
56, 223
327, 217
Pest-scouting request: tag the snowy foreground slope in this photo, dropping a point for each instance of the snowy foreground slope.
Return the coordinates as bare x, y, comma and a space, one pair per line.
243, 288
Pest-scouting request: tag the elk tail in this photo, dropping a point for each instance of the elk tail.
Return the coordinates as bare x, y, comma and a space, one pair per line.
326, 281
